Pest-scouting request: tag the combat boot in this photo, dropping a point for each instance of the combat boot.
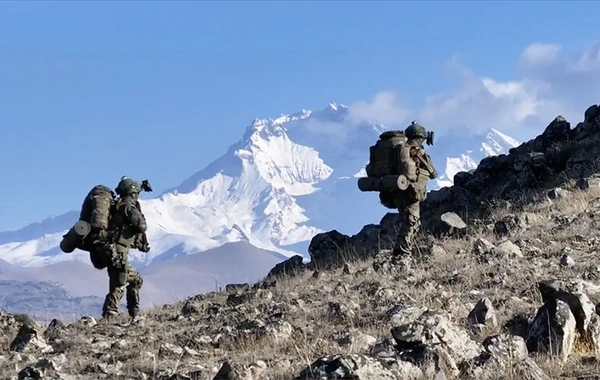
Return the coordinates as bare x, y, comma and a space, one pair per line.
109, 316
402, 247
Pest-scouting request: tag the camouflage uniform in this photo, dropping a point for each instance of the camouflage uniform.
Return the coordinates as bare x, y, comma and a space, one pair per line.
127, 221
418, 168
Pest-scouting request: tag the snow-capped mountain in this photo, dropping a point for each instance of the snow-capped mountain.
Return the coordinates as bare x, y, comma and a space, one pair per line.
284, 181
478, 146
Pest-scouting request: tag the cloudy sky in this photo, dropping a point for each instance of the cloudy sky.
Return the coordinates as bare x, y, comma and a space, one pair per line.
93, 91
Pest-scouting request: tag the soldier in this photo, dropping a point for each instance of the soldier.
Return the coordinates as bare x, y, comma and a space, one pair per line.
127, 224
418, 168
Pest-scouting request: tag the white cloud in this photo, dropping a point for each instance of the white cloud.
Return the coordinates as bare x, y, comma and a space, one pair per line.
551, 82
385, 109
540, 54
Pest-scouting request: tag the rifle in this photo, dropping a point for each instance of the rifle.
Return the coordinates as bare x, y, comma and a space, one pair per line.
140, 241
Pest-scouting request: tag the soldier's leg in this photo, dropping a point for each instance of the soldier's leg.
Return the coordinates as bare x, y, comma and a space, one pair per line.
413, 221
133, 291
116, 283
410, 224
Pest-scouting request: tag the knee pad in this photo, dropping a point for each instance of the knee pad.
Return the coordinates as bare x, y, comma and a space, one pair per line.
412, 220
136, 282
121, 278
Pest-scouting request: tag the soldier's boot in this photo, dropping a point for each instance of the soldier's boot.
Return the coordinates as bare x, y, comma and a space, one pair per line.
133, 295
404, 241
402, 247
109, 316
110, 309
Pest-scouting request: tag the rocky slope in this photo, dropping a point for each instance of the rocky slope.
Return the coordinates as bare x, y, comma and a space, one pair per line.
510, 294
55, 292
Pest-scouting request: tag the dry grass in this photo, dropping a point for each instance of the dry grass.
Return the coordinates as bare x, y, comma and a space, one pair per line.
302, 308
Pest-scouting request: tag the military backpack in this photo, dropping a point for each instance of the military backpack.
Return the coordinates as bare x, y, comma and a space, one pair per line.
385, 153
92, 229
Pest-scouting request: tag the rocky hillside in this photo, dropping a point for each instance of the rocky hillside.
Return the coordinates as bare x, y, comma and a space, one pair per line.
510, 294
560, 155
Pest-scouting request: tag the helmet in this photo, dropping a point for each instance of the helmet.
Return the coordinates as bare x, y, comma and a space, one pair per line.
415, 130
128, 186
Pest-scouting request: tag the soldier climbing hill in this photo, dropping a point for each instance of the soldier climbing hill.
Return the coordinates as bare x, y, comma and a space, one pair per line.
399, 169
126, 224
418, 169
108, 227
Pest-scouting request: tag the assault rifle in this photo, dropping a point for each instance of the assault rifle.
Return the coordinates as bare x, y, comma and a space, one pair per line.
146, 186
429, 139
140, 241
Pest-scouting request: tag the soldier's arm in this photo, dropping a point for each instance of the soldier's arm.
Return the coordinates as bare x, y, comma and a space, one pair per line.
135, 216
408, 164
433, 172
427, 164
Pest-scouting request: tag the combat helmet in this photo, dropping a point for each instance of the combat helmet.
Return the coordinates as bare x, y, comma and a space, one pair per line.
415, 130
128, 186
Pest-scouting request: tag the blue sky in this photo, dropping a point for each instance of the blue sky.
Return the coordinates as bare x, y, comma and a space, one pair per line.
91, 91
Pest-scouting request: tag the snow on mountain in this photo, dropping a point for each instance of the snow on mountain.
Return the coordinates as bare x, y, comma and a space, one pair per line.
286, 180
462, 149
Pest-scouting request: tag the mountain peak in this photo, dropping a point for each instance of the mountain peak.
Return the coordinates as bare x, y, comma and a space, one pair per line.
496, 134
336, 106
287, 179
462, 148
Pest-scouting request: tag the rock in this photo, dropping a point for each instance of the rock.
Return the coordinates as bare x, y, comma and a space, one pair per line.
28, 339
279, 330
342, 311
509, 225
462, 178
483, 314
229, 371
30, 373
446, 224
553, 330
355, 341
437, 250
591, 338
113, 369
506, 354
482, 247
453, 221
433, 328
588, 183
567, 261
402, 315
506, 347
558, 130
508, 249
359, 367
572, 293
585, 312
291, 266
362, 342
241, 297
88, 321
329, 249
236, 287
558, 193
384, 349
